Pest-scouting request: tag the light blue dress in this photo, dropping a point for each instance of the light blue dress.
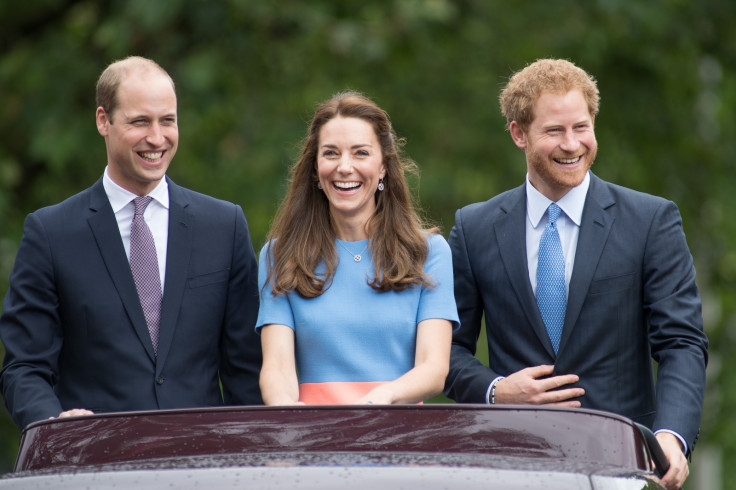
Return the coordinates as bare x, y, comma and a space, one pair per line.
352, 337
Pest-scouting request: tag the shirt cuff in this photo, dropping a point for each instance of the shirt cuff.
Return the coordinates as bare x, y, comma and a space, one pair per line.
490, 386
679, 437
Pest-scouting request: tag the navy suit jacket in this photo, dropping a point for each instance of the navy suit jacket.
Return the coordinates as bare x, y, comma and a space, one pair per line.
633, 298
74, 331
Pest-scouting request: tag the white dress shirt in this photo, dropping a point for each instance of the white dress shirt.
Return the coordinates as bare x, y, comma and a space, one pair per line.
568, 226
156, 216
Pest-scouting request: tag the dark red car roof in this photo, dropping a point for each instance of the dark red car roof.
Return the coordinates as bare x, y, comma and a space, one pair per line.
512, 442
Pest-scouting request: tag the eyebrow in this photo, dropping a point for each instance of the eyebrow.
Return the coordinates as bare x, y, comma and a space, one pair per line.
147, 116
560, 124
360, 145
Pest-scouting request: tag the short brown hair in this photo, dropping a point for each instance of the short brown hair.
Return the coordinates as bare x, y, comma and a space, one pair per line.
109, 81
546, 75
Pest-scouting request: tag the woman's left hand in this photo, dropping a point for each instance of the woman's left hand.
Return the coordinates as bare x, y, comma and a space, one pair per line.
380, 395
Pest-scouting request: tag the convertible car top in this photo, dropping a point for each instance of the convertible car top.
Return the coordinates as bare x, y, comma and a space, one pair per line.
429, 446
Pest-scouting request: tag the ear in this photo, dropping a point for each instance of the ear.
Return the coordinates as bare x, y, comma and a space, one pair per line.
102, 121
382, 174
518, 135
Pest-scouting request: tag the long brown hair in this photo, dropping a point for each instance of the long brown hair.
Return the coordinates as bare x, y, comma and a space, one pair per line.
302, 234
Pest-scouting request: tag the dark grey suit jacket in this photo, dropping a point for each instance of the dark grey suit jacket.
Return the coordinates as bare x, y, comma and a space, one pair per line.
633, 298
74, 331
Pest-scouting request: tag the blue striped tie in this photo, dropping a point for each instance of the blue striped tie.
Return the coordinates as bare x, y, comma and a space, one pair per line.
551, 295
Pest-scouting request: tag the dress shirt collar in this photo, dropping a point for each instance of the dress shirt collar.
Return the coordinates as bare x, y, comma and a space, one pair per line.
119, 197
571, 203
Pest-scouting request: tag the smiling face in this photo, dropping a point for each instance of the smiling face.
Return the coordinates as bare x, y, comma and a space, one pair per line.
141, 134
560, 143
349, 166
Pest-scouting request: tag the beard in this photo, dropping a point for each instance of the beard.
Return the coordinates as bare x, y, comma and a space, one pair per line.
553, 176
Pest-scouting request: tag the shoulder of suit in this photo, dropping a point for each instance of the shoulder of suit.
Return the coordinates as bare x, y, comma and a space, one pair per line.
71, 206
499, 203
625, 196
188, 196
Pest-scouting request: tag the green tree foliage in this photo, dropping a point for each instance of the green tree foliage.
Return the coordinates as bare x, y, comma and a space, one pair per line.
249, 74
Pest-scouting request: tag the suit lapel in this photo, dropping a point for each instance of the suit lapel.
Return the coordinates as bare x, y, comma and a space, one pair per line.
511, 238
104, 227
594, 229
178, 252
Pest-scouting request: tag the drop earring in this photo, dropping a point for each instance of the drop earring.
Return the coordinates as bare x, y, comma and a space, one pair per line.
319, 185
380, 185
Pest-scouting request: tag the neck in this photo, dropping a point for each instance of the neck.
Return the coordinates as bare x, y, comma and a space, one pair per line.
350, 231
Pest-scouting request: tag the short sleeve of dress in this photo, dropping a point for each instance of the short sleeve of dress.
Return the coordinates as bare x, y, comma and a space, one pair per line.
438, 301
272, 309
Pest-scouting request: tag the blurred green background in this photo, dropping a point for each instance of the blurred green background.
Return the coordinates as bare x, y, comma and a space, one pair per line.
249, 73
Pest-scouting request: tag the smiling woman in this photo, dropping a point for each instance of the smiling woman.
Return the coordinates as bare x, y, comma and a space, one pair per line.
355, 330
350, 169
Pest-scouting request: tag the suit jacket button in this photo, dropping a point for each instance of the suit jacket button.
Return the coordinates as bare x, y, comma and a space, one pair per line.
160, 380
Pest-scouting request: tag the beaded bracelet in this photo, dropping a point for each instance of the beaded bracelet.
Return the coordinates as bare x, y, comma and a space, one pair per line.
493, 390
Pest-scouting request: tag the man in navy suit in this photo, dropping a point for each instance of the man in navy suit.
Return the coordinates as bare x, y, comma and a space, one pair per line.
628, 292
76, 337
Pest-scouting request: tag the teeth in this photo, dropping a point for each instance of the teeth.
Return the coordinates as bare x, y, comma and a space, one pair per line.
568, 160
152, 156
347, 185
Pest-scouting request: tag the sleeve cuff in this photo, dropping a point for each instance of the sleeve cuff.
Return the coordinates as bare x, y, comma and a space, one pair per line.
679, 438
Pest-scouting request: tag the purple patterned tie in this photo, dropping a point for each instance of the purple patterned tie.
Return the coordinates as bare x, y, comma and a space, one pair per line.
144, 265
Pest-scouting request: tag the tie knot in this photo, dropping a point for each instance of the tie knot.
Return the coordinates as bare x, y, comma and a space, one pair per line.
553, 212
141, 203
